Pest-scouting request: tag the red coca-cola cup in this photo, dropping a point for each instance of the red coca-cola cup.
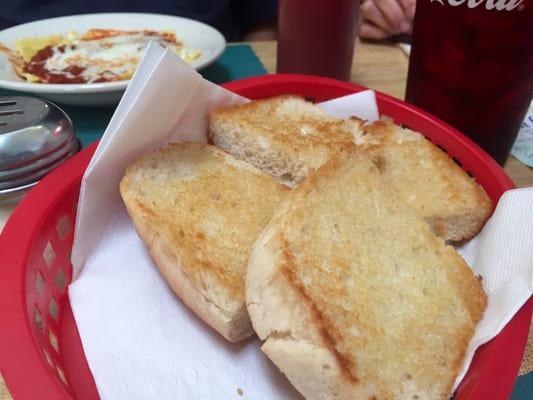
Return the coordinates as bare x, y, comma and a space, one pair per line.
472, 66
317, 37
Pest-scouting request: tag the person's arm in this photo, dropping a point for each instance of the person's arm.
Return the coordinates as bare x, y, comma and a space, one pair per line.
385, 18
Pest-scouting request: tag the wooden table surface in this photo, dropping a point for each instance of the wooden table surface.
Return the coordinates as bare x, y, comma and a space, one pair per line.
381, 67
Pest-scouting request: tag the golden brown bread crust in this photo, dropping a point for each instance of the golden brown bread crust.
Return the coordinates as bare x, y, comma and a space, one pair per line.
199, 211
290, 138
258, 115
233, 325
429, 181
392, 303
285, 136
328, 337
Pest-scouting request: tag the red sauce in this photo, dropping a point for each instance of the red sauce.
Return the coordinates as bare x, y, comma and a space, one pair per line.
42, 55
167, 36
73, 73
36, 66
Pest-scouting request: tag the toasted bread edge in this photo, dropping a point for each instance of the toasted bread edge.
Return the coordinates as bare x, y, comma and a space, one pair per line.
234, 327
298, 346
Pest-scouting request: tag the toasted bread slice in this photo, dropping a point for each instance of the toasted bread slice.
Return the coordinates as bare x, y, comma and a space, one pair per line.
199, 211
289, 138
427, 180
286, 136
354, 295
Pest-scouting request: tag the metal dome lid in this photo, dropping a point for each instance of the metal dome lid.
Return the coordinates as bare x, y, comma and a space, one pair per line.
35, 137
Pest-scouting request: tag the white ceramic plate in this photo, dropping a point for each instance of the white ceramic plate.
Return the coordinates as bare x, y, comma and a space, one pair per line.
193, 33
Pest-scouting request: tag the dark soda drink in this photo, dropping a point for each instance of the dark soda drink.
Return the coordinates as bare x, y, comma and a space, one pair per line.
317, 37
472, 66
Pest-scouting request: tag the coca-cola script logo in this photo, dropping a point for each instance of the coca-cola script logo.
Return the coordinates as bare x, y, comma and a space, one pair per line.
499, 5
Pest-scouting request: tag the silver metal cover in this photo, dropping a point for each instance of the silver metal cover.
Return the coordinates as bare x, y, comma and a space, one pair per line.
35, 137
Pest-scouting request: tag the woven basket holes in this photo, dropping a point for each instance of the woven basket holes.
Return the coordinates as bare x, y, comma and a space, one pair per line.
53, 308
53, 340
63, 227
459, 163
39, 320
60, 280
39, 284
49, 254
61, 375
48, 358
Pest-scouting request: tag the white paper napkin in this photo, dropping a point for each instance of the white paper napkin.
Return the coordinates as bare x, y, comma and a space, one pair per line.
139, 340
406, 48
362, 105
523, 145
502, 254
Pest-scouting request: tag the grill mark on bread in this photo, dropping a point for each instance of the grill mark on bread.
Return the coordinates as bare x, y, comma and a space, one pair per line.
346, 249
346, 365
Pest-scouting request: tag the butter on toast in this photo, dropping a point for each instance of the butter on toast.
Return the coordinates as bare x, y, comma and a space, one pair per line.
355, 296
426, 179
199, 210
286, 136
289, 138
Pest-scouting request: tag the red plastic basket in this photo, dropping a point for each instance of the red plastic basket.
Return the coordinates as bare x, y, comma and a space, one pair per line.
41, 356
